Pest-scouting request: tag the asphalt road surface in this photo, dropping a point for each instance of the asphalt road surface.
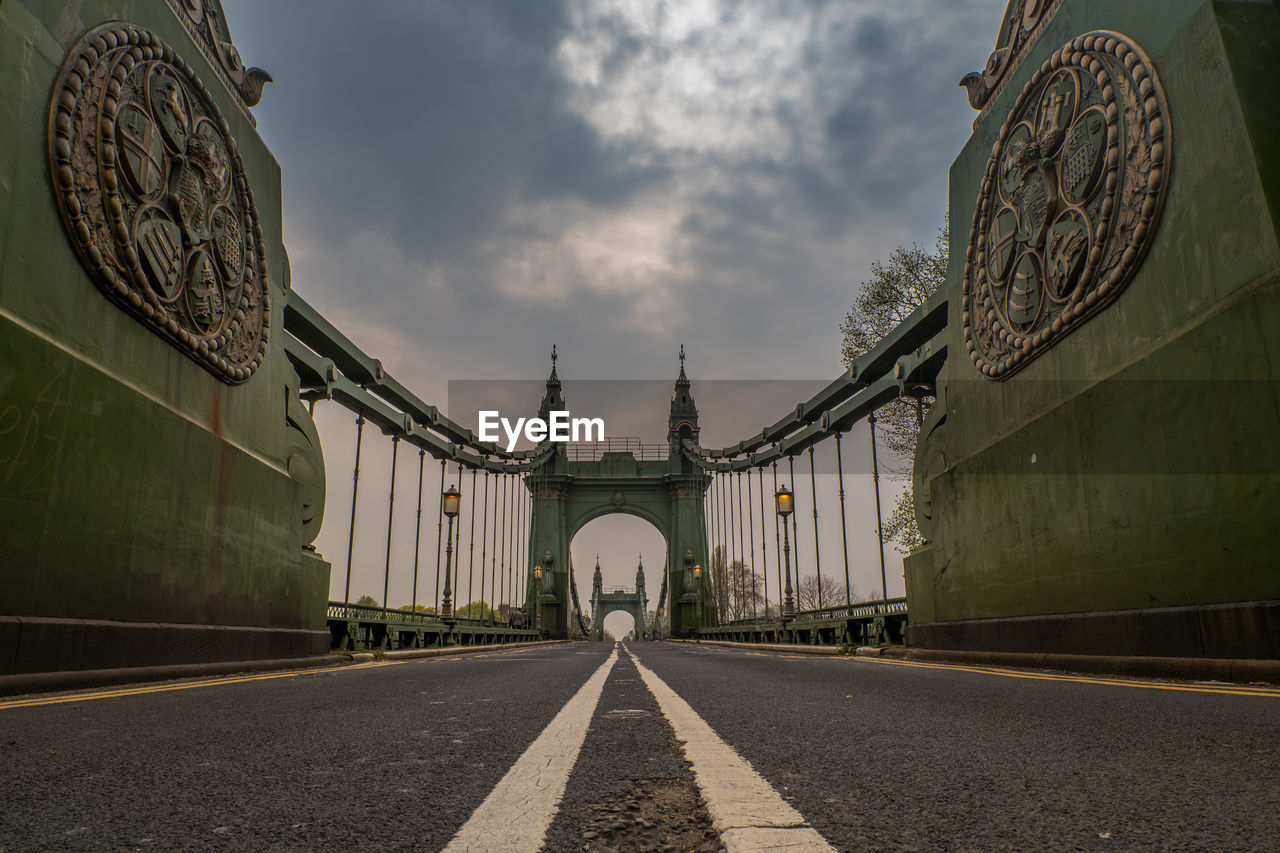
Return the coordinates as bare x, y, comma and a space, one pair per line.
647, 746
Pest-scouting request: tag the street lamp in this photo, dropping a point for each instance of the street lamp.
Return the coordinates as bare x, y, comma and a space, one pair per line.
697, 584
452, 499
785, 505
537, 598
537, 589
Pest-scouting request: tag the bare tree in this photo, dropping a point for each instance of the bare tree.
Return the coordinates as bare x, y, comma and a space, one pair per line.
807, 593
737, 592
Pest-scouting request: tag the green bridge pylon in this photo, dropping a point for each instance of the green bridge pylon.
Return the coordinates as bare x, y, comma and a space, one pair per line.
658, 484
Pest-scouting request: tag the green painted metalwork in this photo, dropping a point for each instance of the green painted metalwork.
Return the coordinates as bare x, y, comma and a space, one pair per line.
864, 623
142, 488
354, 627
1118, 493
1115, 468
567, 493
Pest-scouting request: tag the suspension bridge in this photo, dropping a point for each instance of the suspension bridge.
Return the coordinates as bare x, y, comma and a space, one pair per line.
1095, 482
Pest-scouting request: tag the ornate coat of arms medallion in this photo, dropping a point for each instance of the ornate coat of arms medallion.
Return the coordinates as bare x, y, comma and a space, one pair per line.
1069, 202
154, 196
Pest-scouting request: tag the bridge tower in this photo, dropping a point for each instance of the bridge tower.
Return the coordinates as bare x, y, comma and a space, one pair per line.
667, 492
603, 603
688, 596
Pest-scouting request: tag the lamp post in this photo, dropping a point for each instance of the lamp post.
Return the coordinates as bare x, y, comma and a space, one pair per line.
785, 505
537, 595
452, 499
537, 589
697, 584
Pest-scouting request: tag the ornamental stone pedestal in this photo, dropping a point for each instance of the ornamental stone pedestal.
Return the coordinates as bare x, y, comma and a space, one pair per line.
160, 482
1100, 472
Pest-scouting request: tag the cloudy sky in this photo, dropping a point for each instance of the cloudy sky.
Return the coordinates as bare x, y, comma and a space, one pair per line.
468, 182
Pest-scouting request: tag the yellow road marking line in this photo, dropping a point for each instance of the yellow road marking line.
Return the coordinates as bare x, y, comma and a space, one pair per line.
117, 693
188, 685
1273, 693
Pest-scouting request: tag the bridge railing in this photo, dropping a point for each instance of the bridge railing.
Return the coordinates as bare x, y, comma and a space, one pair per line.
370, 613
856, 610
595, 451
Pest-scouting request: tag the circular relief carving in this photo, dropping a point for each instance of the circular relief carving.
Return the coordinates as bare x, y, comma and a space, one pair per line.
618, 499
155, 198
1069, 202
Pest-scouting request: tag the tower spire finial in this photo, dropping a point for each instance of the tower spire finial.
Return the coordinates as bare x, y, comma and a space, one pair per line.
682, 376
554, 356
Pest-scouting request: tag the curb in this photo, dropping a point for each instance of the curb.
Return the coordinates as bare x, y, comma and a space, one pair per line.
82, 679
1242, 671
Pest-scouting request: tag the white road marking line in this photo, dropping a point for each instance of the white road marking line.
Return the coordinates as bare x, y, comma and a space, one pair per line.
518, 811
745, 809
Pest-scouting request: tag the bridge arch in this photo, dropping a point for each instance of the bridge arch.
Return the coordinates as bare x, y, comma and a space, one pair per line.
619, 623
590, 513
622, 543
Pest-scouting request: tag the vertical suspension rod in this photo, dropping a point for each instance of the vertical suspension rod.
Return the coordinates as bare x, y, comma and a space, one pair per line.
493, 550
391, 513
711, 543
721, 601
875, 479
484, 534
457, 549
764, 551
795, 531
440, 533
355, 493
511, 560
471, 546
731, 604
522, 581
817, 553
502, 565
417, 532
777, 539
751, 523
742, 553
844, 533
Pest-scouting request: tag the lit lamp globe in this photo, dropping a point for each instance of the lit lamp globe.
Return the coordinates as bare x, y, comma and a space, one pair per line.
784, 502
452, 500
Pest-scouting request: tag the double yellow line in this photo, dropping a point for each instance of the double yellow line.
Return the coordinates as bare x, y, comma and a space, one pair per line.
1222, 689
1225, 689
87, 696
64, 698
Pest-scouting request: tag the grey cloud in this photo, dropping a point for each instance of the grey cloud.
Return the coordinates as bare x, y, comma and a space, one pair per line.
432, 123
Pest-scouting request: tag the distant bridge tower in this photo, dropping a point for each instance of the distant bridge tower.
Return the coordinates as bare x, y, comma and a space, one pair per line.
629, 601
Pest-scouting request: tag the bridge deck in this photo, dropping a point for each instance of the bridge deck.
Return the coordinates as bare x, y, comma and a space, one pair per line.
862, 752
